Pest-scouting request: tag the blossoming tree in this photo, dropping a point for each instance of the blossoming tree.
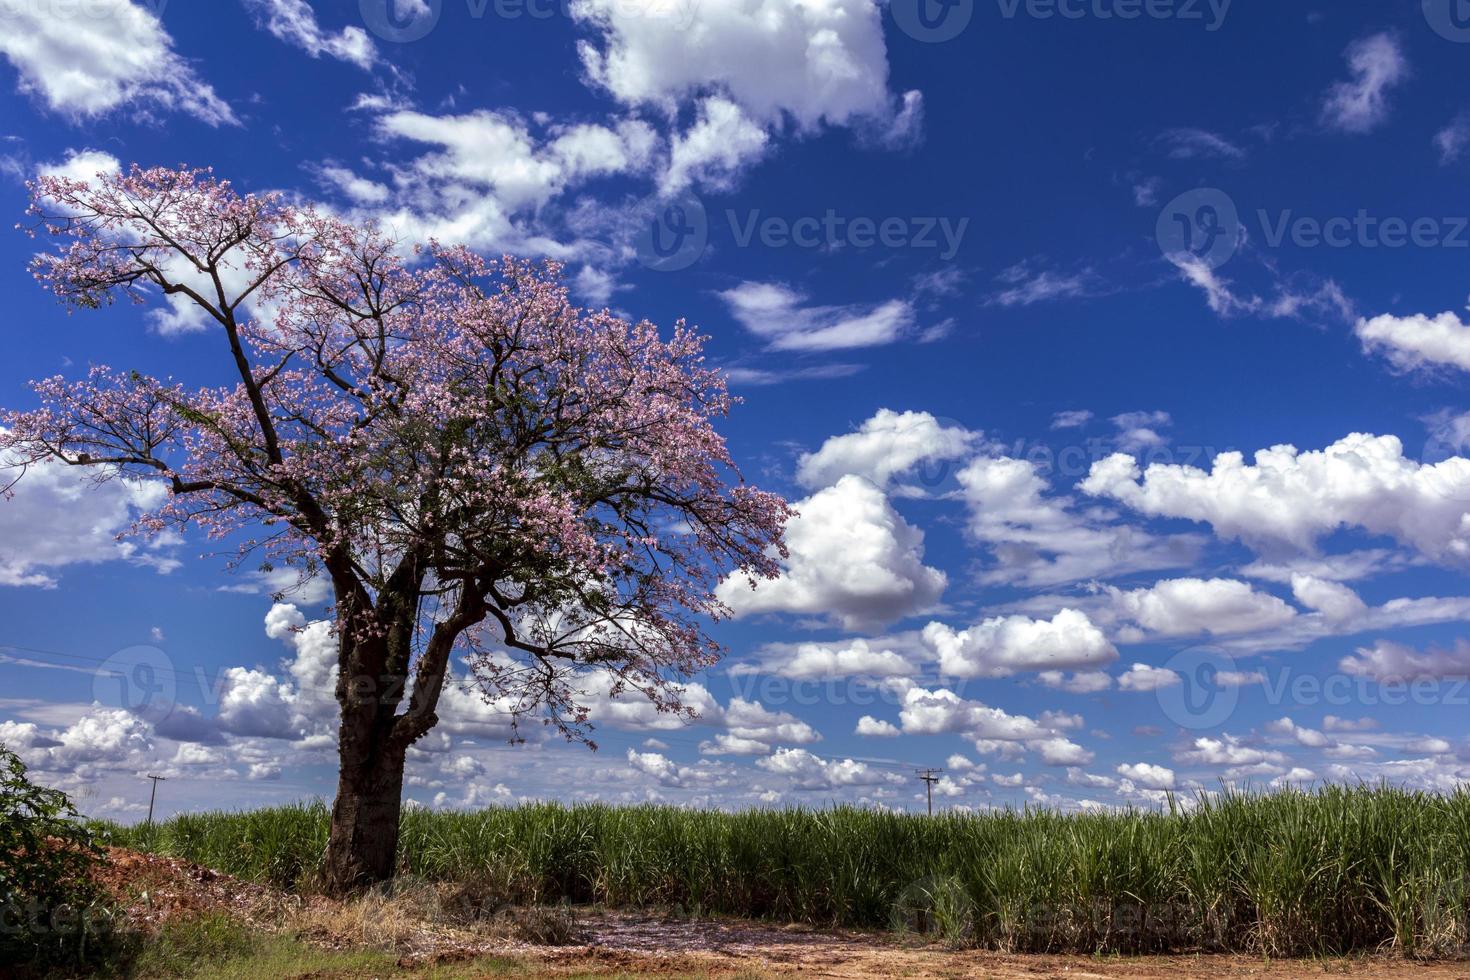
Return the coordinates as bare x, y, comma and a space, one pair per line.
473, 463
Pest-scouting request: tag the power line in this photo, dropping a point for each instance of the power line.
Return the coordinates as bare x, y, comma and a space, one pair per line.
84, 658
153, 795
930, 777
198, 673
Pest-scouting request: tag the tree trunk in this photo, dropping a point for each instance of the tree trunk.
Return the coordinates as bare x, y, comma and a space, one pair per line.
363, 845
373, 740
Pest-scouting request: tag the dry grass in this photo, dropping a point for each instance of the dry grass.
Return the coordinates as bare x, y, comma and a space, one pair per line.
417, 919
456, 930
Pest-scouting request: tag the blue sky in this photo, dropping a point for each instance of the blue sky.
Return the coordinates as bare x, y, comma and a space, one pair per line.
1102, 344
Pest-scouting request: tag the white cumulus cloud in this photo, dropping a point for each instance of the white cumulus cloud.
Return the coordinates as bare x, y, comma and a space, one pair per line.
853, 558
86, 59
1289, 499
1006, 645
886, 446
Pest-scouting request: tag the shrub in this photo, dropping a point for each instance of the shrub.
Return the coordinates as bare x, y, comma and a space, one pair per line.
52, 911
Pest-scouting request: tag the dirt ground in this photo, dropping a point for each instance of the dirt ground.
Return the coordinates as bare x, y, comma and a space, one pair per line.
157, 890
650, 945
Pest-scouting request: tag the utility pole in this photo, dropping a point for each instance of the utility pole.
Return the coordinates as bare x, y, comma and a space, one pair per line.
930, 777
153, 796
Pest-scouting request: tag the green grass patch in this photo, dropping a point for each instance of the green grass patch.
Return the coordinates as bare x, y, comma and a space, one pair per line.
217, 947
1332, 872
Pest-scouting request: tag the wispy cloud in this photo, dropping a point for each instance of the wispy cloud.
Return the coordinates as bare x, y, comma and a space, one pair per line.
1453, 139
1360, 104
1188, 143
781, 316
1024, 286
